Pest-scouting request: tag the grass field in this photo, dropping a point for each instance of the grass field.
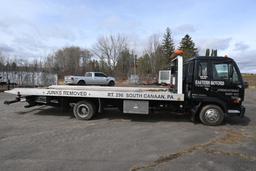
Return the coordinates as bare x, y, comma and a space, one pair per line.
251, 79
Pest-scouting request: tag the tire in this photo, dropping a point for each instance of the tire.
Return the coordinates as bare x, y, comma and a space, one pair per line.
111, 83
84, 110
81, 82
211, 115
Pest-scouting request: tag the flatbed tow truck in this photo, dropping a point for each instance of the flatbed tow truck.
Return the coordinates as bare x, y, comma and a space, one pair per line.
208, 88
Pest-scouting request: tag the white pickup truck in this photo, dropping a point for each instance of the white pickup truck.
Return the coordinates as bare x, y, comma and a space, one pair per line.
90, 78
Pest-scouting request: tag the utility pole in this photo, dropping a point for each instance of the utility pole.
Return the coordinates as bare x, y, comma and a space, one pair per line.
135, 64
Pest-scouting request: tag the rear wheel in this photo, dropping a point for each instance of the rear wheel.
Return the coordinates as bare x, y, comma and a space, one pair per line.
84, 110
211, 115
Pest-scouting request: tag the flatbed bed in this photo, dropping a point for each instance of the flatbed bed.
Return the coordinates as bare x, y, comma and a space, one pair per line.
138, 93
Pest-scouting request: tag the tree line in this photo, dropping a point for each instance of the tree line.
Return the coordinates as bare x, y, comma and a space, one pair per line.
111, 55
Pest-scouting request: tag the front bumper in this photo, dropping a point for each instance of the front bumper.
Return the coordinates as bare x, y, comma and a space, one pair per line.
237, 112
69, 82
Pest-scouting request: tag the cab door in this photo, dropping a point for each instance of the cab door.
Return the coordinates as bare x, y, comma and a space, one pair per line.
226, 82
100, 78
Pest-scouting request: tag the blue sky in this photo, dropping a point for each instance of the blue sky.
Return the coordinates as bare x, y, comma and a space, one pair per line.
34, 28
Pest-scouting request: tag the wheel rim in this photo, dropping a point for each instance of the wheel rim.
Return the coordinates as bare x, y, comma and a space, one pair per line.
81, 83
83, 111
212, 115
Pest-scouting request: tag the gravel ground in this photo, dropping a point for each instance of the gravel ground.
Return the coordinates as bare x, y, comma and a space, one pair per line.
44, 138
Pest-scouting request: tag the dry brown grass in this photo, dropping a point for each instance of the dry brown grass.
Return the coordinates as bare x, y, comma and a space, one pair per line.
251, 79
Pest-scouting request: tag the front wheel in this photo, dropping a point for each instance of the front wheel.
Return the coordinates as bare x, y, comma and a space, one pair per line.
84, 110
81, 82
211, 115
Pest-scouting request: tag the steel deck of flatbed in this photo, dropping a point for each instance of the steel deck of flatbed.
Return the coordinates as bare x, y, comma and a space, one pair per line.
135, 93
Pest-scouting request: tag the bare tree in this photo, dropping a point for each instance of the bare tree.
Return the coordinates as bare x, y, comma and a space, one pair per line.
49, 64
2, 61
154, 52
69, 60
85, 61
110, 48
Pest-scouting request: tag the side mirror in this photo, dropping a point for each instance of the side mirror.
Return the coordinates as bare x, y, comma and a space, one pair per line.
246, 84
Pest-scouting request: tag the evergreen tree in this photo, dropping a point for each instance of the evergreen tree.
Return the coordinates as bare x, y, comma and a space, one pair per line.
125, 64
168, 44
144, 66
188, 46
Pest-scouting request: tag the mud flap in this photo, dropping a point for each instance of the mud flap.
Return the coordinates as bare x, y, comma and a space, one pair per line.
194, 112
